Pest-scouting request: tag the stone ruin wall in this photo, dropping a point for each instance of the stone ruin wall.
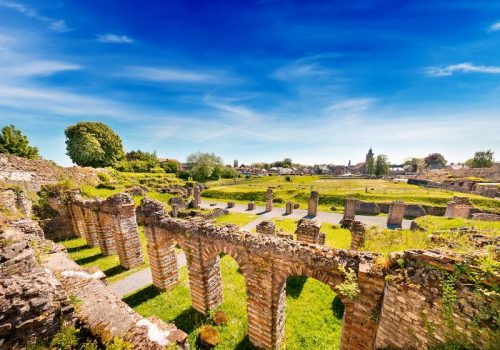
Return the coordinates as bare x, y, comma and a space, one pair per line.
415, 315
33, 173
110, 225
266, 261
32, 301
309, 231
459, 207
269, 200
396, 214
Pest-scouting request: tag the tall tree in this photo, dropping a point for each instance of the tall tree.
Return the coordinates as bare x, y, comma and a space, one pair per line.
13, 141
381, 165
418, 164
205, 166
435, 159
370, 166
235, 163
93, 144
481, 159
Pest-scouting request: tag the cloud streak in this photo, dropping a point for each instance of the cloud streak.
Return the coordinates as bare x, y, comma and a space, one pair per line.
171, 74
114, 38
465, 67
57, 25
494, 27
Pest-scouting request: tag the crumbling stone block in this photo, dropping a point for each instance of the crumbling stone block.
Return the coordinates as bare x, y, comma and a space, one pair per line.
266, 227
251, 206
350, 208
459, 207
396, 214
230, 204
289, 208
309, 231
358, 232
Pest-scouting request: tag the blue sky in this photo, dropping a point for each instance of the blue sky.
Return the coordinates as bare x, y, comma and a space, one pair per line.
316, 81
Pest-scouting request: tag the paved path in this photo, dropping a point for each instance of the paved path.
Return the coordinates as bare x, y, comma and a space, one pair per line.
139, 279
322, 217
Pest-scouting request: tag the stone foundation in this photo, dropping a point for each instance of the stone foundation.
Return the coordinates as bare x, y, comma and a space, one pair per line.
309, 231
459, 207
266, 228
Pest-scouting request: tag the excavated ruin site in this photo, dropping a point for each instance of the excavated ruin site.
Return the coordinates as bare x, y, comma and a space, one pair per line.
411, 299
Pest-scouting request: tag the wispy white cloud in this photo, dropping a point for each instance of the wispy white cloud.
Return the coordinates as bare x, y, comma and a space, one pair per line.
170, 74
352, 104
56, 25
36, 68
305, 67
465, 67
114, 38
494, 27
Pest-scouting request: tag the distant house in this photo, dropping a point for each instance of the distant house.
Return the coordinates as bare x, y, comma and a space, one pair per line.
164, 160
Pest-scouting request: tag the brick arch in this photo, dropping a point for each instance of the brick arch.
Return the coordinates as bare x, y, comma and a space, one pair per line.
211, 251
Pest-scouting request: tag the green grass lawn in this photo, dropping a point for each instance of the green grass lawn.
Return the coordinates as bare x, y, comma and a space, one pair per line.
334, 191
87, 256
239, 219
305, 296
335, 237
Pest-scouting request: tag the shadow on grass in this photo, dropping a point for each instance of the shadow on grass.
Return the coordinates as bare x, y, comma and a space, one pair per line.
244, 344
189, 319
78, 248
89, 259
337, 307
141, 296
294, 286
113, 271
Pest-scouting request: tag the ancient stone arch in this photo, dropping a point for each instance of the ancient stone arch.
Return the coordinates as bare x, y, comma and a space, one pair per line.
266, 262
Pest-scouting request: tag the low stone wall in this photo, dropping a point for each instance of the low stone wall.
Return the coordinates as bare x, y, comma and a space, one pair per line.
459, 207
105, 314
309, 231
486, 217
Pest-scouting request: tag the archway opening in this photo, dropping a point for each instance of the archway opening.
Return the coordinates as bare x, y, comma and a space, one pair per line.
313, 315
234, 333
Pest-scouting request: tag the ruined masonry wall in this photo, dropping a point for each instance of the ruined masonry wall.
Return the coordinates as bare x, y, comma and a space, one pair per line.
396, 214
459, 207
269, 200
312, 204
111, 225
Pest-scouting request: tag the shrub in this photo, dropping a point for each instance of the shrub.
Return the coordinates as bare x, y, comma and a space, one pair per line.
66, 338
220, 318
118, 344
209, 336
12, 141
288, 179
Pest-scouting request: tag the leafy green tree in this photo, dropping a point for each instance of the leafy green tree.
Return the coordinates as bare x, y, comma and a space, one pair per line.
418, 164
141, 155
229, 173
93, 144
235, 163
381, 165
205, 166
287, 163
13, 141
481, 159
370, 166
435, 159
171, 167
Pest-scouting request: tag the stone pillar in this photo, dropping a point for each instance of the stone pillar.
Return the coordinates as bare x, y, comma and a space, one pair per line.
175, 210
358, 232
91, 223
251, 206
230, 204
396, 214
105, 233
269, 200
204, 277
289, 208
162, 258
312, 205
121, 209
265, 306
350, 208
81, 224
266, 227
308, 231
197, 196
459, 207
